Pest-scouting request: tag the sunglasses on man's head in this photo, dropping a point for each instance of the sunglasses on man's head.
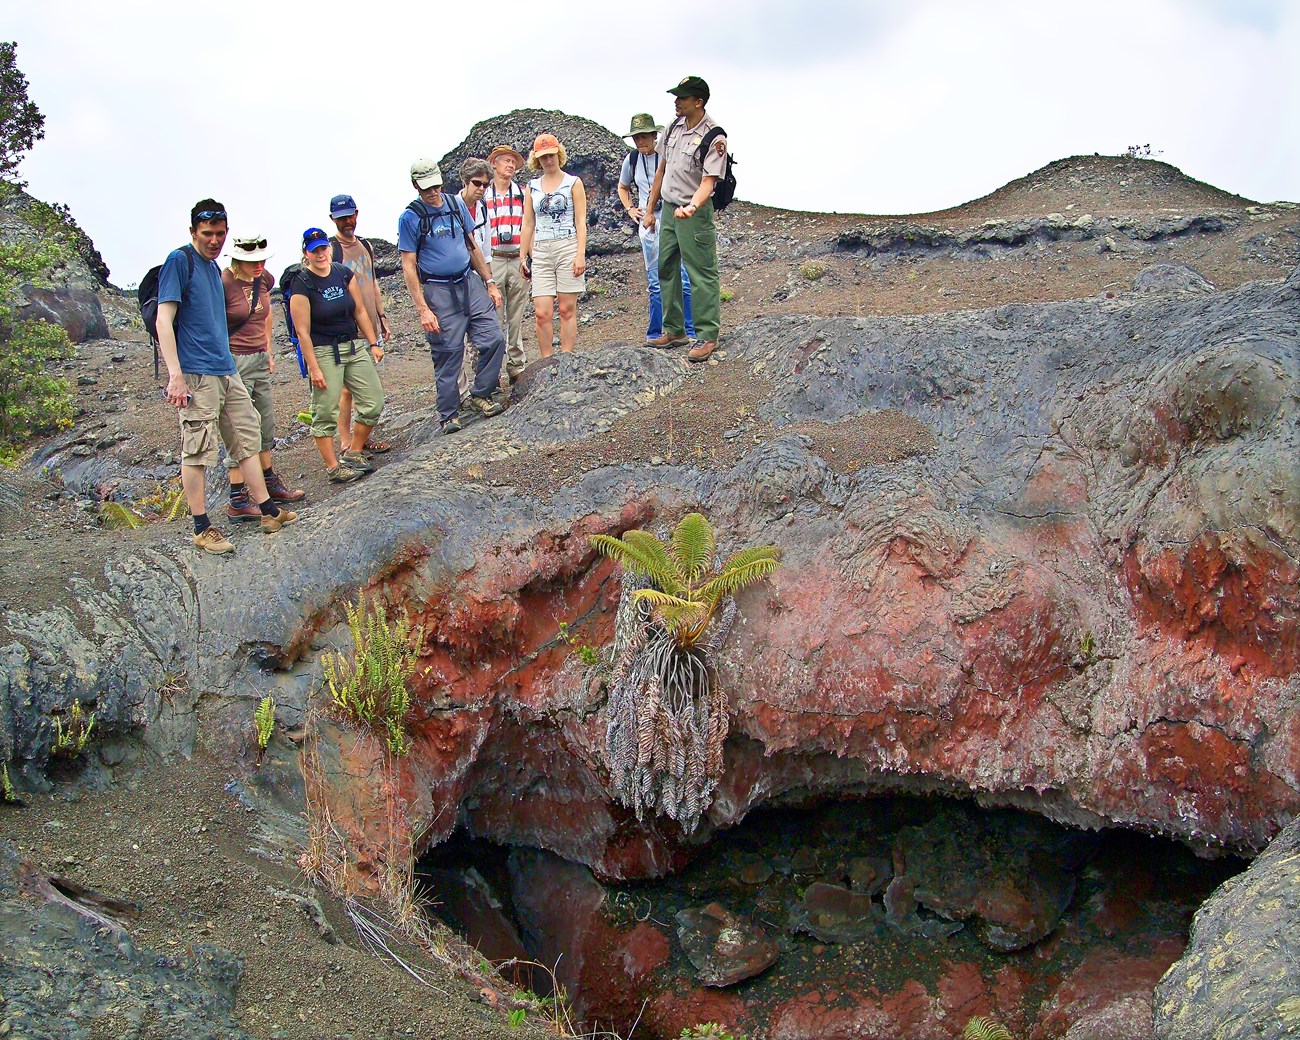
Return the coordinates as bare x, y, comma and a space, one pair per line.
211, 214
250, 246
480, 184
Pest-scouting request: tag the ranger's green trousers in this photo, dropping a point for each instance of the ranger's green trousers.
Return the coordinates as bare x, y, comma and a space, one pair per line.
694, 243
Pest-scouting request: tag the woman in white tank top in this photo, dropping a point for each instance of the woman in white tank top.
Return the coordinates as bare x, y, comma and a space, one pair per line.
553, 246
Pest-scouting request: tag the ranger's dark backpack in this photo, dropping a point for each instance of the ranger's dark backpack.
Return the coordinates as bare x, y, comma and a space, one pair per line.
724, 189
147, 297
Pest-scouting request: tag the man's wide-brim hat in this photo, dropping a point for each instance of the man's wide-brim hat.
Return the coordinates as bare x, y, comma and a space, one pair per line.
503, 149
691, 86
250, 249
642, 123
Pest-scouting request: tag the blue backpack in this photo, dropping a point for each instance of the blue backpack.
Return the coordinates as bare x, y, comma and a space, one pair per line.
287, 281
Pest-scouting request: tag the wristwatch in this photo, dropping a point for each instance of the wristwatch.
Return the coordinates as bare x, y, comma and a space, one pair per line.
491, 281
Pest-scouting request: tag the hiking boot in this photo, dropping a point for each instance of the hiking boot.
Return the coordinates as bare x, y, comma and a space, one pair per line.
701, 351
344, 474
271, 524
452, 425
242, 509
513, 372
214, 541
667, 340
485, 406
358, 460
282, 492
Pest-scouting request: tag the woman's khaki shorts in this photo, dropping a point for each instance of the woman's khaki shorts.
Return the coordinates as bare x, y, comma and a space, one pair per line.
255, 372
219, 405
553, 267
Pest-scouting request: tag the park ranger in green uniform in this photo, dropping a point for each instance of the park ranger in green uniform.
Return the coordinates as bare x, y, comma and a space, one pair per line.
686, 234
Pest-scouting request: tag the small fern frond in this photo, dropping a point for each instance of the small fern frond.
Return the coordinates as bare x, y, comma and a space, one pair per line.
693, 545
981, 1028
641, 553
735, 577
115, 514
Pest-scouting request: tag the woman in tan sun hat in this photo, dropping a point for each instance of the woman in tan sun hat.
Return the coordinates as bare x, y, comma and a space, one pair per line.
248, 286
554, 246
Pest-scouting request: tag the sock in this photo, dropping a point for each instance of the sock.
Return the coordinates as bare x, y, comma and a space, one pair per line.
269, 508
238, 492
201, 523
268, 474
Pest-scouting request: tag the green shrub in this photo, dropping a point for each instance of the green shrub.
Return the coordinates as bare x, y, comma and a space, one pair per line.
371, 688
813, 270
32, 401
727, 295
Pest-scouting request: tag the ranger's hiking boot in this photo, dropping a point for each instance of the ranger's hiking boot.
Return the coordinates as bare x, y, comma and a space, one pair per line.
667, 340
701, 351
282, 492
357, 460
344, 474
485, 406
271, 524
214, 541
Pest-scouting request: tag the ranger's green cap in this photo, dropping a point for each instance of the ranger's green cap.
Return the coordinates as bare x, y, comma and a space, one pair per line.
691, 86
643, 123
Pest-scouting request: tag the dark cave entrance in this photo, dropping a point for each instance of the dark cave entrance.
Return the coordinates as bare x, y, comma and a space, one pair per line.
861, 899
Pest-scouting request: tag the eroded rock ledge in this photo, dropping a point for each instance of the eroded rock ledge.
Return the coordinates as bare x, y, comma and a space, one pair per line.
1082, 601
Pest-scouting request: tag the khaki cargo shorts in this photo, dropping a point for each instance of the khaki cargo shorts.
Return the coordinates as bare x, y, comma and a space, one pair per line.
552, 267
219, 407
255, 373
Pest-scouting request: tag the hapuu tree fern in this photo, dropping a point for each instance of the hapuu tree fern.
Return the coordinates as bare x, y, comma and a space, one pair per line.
667, 717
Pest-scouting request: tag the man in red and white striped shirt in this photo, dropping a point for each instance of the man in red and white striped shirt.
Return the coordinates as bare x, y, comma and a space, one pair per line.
504, 200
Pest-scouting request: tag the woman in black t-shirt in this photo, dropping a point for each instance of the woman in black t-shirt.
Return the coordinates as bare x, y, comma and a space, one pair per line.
334, 330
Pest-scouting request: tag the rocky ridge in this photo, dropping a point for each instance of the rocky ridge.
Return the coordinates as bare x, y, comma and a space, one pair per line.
594, 155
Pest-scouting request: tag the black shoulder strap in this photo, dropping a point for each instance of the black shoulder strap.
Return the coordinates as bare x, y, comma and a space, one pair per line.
709, 138
252, 307
336, 250
188, 250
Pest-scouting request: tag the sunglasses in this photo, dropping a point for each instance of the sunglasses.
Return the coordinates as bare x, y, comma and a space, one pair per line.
315, 241
480, 184
211, 214
250, 245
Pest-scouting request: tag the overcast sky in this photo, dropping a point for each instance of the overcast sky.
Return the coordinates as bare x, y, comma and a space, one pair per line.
880, 107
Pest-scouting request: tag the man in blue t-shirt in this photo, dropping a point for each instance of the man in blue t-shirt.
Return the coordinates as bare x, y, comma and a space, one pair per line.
453, 291
202, 382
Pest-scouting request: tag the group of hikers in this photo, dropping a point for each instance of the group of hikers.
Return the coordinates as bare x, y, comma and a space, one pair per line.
469, 260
